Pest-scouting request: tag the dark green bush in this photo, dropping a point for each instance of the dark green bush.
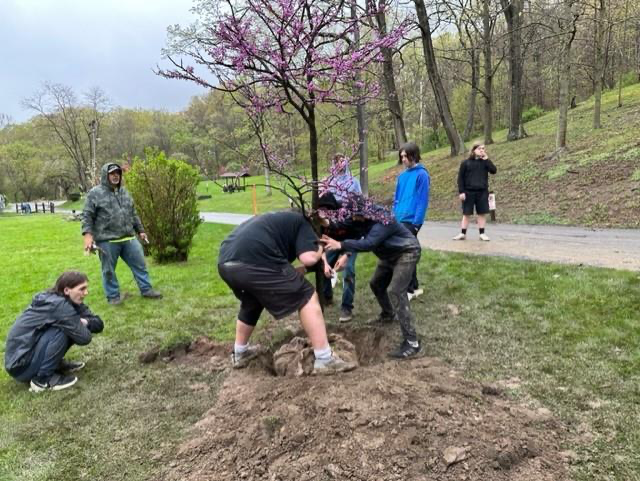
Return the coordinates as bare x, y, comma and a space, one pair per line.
532, 113
164, 192
434, 140
74, 196
629, 78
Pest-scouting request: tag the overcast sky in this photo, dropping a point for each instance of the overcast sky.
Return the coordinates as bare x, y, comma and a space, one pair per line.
112, 44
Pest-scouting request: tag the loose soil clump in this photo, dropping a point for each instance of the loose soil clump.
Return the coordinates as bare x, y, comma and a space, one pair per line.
412, 420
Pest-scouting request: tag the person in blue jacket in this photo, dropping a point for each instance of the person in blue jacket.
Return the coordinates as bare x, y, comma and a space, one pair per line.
55, 320
412, 198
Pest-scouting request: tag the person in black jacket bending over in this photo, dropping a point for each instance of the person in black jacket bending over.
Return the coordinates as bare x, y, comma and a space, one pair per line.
255, 262
37, 342
473, 189
371, 228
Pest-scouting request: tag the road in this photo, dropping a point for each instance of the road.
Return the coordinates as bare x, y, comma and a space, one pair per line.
615, 248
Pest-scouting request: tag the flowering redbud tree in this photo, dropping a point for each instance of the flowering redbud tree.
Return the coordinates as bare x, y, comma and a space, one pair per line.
283, 56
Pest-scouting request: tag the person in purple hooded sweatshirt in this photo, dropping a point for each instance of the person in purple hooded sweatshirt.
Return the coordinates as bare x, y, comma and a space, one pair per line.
341, 183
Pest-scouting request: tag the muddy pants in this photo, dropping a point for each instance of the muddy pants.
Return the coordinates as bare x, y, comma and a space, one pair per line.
390, 282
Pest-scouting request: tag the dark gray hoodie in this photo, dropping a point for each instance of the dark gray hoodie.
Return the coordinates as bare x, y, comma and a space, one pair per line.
47, 309
109, 213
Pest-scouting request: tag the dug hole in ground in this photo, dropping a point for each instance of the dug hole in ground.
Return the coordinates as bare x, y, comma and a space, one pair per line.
412, 420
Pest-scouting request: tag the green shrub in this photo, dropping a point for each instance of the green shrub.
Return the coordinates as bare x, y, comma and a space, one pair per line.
74, 196
434, 140
629, 78
164, 192
532, 113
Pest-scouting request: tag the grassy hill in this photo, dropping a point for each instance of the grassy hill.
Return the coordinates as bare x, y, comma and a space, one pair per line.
595, 183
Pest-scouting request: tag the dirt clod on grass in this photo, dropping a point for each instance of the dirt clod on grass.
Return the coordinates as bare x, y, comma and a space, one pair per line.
412, 420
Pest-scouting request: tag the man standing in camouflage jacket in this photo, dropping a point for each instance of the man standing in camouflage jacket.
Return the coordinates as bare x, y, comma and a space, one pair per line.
110, 220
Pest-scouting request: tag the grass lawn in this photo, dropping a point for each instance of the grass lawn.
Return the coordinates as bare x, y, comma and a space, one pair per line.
567, 337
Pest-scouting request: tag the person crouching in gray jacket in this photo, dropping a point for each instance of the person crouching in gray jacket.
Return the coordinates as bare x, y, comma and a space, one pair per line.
41, 336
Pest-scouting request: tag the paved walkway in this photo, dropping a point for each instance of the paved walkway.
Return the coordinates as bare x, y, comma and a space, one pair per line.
615, 248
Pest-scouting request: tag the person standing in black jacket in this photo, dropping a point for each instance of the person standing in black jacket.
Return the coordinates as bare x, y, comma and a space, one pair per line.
473, 189
41, 336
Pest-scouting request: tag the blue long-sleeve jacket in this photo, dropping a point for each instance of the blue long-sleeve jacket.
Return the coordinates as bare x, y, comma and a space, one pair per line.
412, 195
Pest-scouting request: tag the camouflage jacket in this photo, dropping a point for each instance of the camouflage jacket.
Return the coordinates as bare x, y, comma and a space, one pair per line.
109, 213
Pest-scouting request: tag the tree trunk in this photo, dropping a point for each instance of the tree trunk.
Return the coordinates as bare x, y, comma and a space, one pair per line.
390, 85
471, 108
457, 146
313, 155
568, 30
623, 62
421, 118
267, 179
563, 101
488, 74
598, 67
513, 16
361, 115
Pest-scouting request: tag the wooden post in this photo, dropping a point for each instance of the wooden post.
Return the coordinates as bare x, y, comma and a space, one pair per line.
254, 197
492, 206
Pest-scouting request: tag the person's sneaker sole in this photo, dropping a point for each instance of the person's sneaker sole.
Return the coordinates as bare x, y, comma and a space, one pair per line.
244, 361
77, 366
155, 295
414, 294
329, 371
58, 387
400, 357
380, 321
345, 318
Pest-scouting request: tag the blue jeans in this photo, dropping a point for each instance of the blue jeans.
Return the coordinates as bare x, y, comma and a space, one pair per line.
48, 352
132, 254
348, 280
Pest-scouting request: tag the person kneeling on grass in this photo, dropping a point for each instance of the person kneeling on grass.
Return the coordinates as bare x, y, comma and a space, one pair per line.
37, 342
371, 228
255, 262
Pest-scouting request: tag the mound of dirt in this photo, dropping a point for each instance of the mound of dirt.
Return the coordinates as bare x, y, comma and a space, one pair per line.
413, 420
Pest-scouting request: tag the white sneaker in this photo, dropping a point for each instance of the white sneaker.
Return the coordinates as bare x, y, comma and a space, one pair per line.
332, 366
460, 236
484, 237
242, 360
416, 293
